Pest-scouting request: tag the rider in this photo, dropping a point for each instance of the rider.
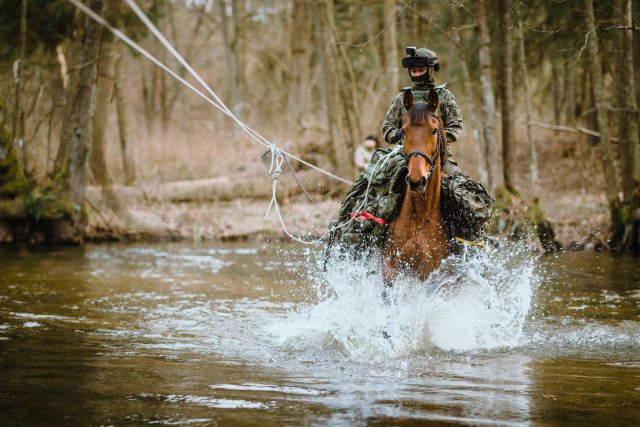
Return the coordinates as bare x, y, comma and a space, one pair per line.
420, 62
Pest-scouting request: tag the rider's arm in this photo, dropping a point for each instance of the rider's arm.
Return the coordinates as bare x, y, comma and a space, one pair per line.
452, 117
392, 123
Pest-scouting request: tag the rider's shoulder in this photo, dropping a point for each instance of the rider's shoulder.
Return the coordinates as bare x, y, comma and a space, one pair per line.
438, 88
443, 92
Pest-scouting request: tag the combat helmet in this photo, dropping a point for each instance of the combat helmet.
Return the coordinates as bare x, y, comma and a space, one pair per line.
421, 57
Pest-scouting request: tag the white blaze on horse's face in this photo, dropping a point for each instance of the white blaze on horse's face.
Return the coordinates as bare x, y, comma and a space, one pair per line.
420, 147
420, 142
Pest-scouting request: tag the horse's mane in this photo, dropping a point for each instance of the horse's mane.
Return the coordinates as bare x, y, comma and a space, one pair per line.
418, 114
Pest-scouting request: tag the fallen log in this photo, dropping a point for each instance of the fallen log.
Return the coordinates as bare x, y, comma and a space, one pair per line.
220, 188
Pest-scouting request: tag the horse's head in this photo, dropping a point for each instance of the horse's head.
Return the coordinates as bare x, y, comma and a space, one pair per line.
424, 143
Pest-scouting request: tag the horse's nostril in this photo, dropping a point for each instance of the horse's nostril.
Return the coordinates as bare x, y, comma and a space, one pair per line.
419, 185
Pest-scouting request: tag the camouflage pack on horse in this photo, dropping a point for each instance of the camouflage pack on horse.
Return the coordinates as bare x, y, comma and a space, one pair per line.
375, 200
466, 204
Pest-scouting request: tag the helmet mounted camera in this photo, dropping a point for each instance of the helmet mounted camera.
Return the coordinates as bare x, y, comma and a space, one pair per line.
420, 58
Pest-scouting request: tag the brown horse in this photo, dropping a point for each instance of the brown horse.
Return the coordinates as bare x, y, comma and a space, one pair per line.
417, 240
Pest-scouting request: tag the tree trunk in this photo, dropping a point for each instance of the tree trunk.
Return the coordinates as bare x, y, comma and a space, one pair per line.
299, 92
391, 44
73, 59
126, 144
629, 135
570, 94
75, 178
104, 86
533, 155
237, 48
506, 94
17, 129
555, 92
371, 21
476, 128
233, 101
319, 52
488, 98
603, 123
188, 56
338, 111
635, 10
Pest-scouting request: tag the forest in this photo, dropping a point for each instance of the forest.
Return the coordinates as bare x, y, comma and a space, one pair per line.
99, 143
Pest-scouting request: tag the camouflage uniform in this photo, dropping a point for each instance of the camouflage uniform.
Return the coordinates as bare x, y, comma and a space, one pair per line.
466, 203
449, 112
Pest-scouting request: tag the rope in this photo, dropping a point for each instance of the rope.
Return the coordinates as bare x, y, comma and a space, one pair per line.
275, 169
220, 106
278, 156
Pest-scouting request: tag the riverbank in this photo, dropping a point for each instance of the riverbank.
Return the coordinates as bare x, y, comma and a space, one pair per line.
579, 220
221, 220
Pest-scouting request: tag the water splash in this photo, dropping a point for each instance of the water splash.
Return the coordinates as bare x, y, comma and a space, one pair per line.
474, 301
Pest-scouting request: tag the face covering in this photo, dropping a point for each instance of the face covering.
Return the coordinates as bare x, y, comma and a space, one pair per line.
421, 79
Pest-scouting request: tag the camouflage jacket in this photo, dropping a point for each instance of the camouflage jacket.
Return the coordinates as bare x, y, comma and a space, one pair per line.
449, 112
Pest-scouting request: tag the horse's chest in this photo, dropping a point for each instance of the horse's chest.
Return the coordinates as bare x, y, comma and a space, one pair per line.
420, 243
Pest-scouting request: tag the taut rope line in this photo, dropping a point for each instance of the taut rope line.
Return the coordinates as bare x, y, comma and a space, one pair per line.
278, 156
222, 107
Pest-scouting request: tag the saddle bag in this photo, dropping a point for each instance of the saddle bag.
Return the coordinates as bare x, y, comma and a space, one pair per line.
382, 202
466, 206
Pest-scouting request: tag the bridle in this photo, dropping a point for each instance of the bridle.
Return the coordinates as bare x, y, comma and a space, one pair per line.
432, 161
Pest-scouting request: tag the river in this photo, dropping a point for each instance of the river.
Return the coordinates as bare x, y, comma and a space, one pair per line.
258, 334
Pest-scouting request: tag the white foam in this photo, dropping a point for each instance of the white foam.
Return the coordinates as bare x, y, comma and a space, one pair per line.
473, 302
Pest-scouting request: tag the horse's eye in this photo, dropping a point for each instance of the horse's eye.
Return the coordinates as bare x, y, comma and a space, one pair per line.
434, 132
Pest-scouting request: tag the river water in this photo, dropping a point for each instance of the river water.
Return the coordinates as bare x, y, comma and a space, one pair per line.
254, 334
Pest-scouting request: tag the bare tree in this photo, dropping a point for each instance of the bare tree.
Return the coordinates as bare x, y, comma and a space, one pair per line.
629, 234
476, 128
104, 86
234, 99
570, 93
75, 178
301, 31
17, 129
533, 155
72, 59
506, 95
342, 118
488, 98
602, 114
237, 48
391, 43
126, 144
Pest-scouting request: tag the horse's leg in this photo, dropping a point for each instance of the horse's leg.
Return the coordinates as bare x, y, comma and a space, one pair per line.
388, 274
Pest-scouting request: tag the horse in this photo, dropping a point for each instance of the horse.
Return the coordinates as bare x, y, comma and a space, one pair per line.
417, 240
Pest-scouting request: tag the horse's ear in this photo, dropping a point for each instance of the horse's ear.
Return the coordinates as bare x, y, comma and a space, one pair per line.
432, 100
407, 99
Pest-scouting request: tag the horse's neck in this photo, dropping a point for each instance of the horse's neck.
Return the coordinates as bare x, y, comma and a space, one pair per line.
425, 206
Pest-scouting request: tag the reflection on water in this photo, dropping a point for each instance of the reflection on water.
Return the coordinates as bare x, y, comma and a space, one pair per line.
236, 333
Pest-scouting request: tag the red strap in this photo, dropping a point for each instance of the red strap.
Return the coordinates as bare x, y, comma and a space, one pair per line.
366, 216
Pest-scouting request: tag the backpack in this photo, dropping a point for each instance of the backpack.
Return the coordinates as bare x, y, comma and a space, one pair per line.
466, 207
383, 200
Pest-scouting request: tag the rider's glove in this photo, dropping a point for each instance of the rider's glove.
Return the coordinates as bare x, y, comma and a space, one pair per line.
399, 135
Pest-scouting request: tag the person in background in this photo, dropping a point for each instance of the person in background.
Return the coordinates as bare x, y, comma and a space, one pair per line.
362, 155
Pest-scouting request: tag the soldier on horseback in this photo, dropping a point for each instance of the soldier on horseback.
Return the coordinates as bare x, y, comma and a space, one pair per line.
375, 199
466, 204
420, 63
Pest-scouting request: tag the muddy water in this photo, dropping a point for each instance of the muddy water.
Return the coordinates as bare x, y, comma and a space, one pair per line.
257, 335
